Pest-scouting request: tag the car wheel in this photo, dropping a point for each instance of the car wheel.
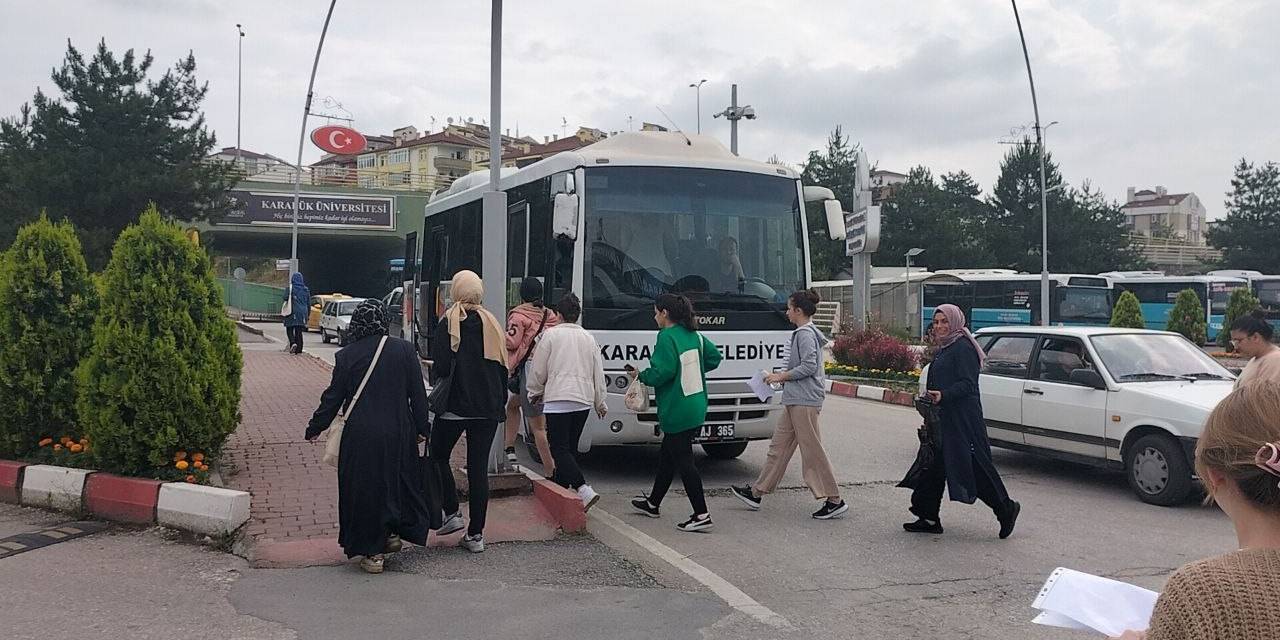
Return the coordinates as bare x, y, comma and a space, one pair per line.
724, 450
324, 335
1158, 470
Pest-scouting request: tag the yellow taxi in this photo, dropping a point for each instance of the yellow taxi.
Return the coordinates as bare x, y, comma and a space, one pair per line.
317, 305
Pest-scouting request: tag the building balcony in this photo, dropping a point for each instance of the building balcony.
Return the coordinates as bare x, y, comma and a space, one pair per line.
446, 163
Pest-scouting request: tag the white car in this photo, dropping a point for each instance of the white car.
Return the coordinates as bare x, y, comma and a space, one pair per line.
1128, 399
335, 317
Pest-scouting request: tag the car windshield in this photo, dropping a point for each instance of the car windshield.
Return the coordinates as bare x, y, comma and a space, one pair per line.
731, 240
347, 308
1136, 357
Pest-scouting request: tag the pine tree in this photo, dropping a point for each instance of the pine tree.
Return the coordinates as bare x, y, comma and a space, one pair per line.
1188, 317
47, 306
1128, 313
164, 370
942, 219
834, 169
1249, 235
1241, 304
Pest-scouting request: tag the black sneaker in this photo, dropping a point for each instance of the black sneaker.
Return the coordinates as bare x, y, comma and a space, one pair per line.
511, 455
831, 511
643, 505
924, 526
747, 496
1009, 519
695, 524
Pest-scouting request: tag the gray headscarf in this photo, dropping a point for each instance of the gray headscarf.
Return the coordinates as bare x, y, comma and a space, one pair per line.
369, 319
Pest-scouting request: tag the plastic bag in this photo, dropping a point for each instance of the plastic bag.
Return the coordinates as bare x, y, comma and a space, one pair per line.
637, 397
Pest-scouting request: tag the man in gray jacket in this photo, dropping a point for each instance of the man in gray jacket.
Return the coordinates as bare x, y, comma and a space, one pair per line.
804, 389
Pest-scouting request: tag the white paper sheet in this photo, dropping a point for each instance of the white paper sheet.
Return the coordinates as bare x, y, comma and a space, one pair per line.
1077, 600
759, 387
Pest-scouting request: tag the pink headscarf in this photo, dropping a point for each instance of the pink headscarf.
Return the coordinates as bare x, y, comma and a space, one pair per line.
955, 318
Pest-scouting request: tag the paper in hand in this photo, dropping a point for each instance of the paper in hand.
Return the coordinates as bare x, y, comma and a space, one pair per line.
762, 389
1075, 600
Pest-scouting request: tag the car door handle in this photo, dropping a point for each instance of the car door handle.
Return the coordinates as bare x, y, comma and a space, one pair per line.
1033, 392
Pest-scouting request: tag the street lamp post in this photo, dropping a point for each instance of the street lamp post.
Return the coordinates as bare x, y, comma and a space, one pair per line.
907, 282
302, 136
698, 87
493, 265
1044, 209
733, 113
239, 81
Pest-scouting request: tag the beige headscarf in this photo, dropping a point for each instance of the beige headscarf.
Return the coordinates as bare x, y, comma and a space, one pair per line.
467, 292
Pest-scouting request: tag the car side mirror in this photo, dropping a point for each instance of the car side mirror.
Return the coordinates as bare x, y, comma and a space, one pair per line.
1088, 378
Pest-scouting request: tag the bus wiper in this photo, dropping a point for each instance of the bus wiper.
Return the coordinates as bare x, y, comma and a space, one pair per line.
1149, 376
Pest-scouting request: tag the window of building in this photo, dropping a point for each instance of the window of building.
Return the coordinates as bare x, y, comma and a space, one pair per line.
366, 161
399, 156
422, 155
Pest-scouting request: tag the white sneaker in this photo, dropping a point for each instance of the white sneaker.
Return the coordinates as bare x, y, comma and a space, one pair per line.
452, 524
588, 496
474, 544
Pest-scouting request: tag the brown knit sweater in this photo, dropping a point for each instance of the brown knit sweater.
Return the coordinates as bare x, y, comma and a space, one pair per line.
1231, 597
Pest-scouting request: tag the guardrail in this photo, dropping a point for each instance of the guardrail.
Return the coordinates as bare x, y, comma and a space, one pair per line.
372, 178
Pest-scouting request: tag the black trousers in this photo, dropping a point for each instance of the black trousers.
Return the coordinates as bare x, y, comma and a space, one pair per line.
676, 455
295, 338
926, 499
444, 436
563, 432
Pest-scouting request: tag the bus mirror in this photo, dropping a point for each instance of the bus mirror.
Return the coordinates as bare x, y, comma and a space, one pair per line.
564, 217
569, 186
835, 219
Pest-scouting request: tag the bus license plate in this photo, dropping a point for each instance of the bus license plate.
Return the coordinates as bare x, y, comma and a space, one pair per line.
715, 432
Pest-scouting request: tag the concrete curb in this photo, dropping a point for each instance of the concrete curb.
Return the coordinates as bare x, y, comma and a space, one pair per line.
244, 326
190, 507
564, 505
867, 392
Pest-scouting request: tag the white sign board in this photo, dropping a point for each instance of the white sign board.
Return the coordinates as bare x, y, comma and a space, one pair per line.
282, 265
862, 231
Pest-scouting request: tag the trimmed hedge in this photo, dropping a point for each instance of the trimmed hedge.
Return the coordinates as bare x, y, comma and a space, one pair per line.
47, 306
163, 374
1128, 313
1188, 317
1241, 304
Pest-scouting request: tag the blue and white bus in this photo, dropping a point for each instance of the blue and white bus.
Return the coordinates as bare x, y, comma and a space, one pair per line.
1157, 293
1003, 297
1266, 289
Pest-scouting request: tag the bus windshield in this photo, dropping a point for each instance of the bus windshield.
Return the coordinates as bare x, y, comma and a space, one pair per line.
732, 241
1220, 295
1268, 292
1084, 304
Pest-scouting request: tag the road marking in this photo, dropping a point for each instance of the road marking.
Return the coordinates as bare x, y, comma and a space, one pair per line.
732, 595
23, 542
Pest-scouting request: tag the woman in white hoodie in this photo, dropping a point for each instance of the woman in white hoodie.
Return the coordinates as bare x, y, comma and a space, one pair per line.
566, 376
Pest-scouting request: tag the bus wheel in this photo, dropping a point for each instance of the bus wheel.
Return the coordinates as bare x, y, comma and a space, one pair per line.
724, 450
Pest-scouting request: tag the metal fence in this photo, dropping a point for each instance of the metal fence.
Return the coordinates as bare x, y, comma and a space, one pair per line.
371, 178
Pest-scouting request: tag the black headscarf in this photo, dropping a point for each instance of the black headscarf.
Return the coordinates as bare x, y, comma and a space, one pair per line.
369, 319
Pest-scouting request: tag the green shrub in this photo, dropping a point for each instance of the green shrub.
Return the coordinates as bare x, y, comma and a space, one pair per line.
1241, 304
1188, 317
47, 305
164, 371
1128, 313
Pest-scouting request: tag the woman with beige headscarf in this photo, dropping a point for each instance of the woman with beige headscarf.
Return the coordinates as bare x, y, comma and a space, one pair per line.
474, 357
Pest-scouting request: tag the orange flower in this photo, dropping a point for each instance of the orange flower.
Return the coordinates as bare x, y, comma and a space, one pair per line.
77, 448
57, 447
65, 440
182, 465
199, 457
46, 442
181, 455
191, 479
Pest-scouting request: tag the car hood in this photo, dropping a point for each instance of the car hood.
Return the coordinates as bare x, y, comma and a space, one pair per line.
1203, 394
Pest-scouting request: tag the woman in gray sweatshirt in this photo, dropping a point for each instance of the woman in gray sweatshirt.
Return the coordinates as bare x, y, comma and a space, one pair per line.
804, 389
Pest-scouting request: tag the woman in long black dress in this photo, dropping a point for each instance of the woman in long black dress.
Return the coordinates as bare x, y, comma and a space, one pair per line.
381, 480
965, 466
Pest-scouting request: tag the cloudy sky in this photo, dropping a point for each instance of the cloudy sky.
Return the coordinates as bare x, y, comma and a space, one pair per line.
1147, 92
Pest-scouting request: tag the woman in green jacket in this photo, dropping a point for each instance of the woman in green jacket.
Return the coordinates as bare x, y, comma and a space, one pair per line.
678, 373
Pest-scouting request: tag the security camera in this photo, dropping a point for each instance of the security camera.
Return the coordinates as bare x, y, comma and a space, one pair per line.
749, 112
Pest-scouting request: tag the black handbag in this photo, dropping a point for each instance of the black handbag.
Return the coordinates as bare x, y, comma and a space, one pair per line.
930, 450
438, 401
513, 381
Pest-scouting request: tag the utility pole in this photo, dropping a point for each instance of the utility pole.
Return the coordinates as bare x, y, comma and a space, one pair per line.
733, 114
698, 88
302, 136
239, 83
1044, 196
494, 212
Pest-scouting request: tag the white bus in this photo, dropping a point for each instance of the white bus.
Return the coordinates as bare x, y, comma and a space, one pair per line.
633, 216
1157, 293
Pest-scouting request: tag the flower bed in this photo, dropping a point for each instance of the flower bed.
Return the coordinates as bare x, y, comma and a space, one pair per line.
851, 371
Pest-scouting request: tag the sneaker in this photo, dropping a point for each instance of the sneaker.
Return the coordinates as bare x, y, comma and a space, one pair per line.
472, 543
588, 496
372, 564
924, 526
452, 524
1010, 519
831, 511
394, 544
695, 524
511, 455
643, 505
747, 496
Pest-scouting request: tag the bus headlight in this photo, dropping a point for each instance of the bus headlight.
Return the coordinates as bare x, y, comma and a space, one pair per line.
616, 426
621, 382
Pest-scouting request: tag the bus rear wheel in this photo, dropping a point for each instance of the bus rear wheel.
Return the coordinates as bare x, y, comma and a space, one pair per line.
724, 450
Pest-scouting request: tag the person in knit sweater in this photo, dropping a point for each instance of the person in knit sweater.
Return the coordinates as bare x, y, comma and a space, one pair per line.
1235, 596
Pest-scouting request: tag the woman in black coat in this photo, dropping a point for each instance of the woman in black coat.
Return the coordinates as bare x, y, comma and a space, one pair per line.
965, 466
382, 495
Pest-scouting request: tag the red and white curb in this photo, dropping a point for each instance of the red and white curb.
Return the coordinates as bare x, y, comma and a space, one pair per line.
180, 505
869, 392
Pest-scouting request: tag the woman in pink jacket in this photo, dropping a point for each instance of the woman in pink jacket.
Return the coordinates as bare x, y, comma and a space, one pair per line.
525, 325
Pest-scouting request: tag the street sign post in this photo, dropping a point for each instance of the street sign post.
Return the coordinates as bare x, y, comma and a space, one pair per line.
862, 238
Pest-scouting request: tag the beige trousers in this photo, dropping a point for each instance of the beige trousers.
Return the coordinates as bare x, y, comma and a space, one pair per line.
799, 428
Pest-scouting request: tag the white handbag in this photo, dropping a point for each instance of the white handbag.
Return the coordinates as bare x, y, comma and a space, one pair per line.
333, 443
637, 397
286, 309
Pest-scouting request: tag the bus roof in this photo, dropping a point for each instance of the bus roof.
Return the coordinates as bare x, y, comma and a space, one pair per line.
1006, 275
640, 148
1199, 279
